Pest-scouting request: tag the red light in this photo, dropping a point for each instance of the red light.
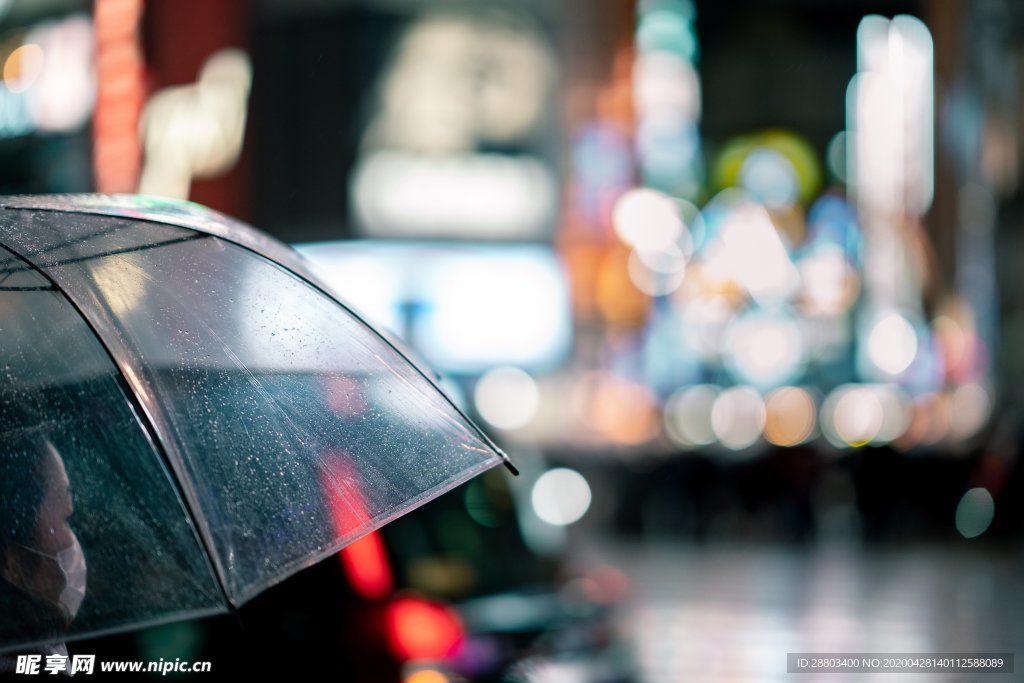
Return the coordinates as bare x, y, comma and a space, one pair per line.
418, 629
120, 70
344, 494
366, 566
365, 561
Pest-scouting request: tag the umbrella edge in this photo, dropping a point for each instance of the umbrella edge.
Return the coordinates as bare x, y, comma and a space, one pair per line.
211, 222
413, 503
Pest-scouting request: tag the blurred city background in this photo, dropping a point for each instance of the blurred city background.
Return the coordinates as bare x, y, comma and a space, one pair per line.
734, 284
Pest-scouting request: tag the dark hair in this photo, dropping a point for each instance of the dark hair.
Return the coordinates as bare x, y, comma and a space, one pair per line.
22, 486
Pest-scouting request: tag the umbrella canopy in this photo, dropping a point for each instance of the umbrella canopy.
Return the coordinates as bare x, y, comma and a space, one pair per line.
188, 416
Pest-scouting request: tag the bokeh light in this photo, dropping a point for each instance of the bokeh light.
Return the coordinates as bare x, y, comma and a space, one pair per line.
749, 251
668, 29
892, 344
426, 676
561, 496
896, 412
737, 417
703, 321
688, 415
975, 512
647, 220
506, 397
970, 410
770, 177
835, 156
666, 84
657, 273
620, 410
764, 349
891, 155
63, 90
829, 283
858, 414
790, 416
22, 67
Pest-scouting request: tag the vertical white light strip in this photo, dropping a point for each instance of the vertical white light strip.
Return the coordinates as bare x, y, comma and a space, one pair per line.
919, 110
890, 149
890, 111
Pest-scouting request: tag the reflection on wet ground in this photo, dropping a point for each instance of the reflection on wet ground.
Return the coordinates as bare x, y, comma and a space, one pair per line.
732, 613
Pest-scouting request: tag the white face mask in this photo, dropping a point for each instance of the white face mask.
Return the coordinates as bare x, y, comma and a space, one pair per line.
71, 561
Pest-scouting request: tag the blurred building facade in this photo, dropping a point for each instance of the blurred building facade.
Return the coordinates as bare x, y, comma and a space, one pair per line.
636, 230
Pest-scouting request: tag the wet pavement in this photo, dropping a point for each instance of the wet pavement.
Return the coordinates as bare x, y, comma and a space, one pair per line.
732, 613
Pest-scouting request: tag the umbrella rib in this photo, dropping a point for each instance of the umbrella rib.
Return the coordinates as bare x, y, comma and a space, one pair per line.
85, 236
148, 427
125, 250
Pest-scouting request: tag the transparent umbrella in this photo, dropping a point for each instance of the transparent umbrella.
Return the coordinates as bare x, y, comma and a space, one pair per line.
188, 416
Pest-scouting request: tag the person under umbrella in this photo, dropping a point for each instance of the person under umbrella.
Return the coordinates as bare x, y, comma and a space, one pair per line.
43, 571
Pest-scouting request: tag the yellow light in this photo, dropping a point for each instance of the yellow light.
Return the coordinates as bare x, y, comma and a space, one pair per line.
23, 67
799, 153
619, 410
790, 414
618, 299
426, 676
